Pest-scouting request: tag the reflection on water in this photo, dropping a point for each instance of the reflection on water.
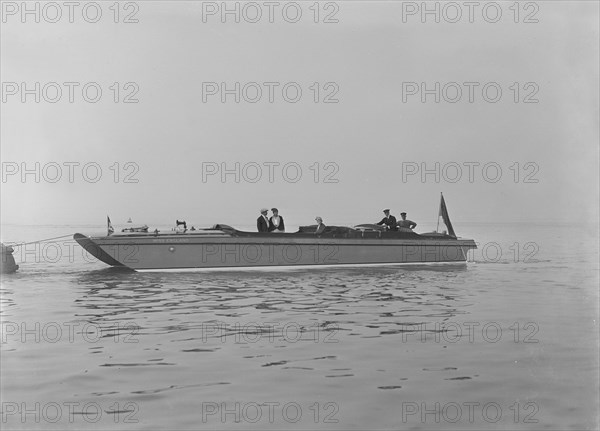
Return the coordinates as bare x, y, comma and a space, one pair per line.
374, 293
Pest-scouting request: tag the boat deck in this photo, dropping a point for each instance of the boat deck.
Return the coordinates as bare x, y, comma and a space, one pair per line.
337, 232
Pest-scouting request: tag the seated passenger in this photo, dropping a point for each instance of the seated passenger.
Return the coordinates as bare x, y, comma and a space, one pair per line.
320, 226
389, 221
276, 222
406, 224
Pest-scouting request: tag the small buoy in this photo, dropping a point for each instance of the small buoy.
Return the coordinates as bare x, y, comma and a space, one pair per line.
7, 263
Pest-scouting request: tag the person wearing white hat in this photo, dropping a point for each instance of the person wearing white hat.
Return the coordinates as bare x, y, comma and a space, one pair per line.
389, 221
262, 222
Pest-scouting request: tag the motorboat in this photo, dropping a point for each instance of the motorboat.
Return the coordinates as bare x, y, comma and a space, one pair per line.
222, 246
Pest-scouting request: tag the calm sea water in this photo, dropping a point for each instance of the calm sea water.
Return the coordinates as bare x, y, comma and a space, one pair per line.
508, 341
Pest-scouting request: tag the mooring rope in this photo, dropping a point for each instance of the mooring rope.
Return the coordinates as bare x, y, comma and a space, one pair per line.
40, 240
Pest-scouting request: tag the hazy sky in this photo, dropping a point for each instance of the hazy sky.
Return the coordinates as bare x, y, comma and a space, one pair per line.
373, 61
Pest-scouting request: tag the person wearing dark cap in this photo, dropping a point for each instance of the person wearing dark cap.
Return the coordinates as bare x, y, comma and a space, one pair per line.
406, 224
276, 222
262, 222
389, 220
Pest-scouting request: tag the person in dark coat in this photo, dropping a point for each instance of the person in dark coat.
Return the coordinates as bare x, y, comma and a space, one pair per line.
262, 223
276, 222
389, 220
